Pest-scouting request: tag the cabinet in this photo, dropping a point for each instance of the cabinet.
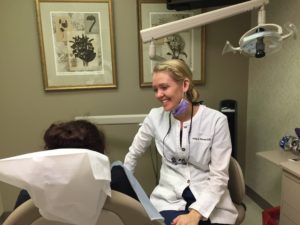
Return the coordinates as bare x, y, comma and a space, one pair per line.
290, 199
290, 185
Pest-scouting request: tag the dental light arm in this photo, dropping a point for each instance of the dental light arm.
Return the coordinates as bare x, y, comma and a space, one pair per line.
164, 30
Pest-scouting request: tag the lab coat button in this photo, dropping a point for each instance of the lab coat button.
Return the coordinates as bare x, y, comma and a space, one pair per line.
188, 181
183, 149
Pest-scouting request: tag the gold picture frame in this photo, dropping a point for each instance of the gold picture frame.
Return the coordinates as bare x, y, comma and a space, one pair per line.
76, 44
154, 12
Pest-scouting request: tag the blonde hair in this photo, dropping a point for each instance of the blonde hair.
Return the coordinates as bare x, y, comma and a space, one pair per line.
179, 71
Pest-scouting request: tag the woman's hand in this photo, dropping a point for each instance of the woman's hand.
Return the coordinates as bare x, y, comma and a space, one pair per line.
192, 218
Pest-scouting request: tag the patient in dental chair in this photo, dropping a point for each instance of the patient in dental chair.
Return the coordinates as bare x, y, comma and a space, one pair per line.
81, 134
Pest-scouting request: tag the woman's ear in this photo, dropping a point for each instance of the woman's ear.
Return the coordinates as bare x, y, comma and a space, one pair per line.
186, 85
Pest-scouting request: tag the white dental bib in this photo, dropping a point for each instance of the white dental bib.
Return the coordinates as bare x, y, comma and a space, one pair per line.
67, 185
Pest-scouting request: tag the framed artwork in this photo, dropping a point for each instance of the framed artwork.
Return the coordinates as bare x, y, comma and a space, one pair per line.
76, 44
187, 45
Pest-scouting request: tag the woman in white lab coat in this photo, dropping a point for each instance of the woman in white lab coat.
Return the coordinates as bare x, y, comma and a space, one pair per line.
194, 142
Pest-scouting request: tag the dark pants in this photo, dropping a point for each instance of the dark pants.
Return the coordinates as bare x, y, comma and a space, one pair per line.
188, 196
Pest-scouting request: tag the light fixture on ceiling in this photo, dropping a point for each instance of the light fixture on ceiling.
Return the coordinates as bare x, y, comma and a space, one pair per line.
258, 41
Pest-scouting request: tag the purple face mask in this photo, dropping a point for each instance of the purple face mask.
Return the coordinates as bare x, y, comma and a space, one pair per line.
181, 107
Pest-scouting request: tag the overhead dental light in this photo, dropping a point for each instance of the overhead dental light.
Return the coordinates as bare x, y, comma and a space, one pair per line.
262, 39
259, 41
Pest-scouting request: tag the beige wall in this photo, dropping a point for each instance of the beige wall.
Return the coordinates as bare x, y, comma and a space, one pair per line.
1, 205
273, 103
27, 110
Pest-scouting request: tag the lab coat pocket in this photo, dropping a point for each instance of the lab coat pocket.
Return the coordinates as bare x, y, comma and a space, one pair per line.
164, 194
200, 150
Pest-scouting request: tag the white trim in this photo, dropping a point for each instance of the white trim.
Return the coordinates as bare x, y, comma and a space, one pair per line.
114, 119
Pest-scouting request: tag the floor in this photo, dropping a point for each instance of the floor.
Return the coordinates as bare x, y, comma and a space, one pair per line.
253, 213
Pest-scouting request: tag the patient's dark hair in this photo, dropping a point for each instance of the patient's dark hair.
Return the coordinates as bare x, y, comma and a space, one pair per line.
75, 134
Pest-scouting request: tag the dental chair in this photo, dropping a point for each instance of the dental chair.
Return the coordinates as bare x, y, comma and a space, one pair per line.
72, 186
119, 209
236, 186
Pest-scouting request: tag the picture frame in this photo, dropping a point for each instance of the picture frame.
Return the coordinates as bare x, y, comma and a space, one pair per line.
154, 12
76, 44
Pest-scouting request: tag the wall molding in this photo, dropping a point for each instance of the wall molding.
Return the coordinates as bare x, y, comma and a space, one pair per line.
114, 119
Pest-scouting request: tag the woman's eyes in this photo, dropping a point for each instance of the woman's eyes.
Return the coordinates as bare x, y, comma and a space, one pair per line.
163, 88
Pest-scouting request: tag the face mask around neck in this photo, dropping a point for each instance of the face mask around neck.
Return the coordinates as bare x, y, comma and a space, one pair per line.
181, 107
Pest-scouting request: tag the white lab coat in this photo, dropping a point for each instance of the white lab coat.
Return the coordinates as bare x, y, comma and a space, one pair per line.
206, 150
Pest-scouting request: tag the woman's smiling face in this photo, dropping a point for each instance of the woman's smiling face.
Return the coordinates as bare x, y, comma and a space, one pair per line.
168, 91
